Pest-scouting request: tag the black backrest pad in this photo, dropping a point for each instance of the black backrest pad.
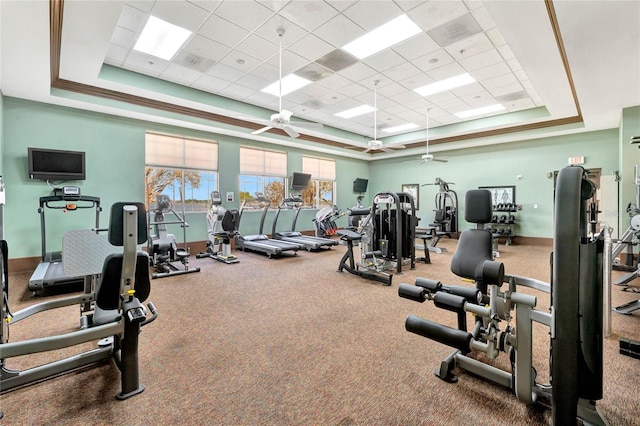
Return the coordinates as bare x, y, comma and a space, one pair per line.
109, 289
474, 247
477, 206
116, 224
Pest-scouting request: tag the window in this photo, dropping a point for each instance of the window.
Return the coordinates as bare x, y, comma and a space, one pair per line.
183, 169
322, 189
262, 172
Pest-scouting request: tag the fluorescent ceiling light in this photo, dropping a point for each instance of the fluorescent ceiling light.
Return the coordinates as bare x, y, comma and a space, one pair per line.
161, 39
400, 128
387, 35
444, 85
290, 83
354, 112
480, 111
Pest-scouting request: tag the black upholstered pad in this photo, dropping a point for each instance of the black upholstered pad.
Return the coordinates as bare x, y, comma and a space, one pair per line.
474, 247
478, 208
108, 294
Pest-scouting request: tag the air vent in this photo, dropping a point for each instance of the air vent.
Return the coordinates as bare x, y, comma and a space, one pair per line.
456, 30
337, 60
313, 104
510, 97
193, 61
313, 72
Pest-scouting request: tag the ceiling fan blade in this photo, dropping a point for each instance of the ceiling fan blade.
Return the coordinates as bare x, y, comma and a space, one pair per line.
292, 133
254, 119
442, 160
385, 149
264, 129
368, 149
307, 125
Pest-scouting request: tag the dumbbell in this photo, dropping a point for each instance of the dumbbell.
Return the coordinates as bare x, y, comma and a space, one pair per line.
503, 218
494, 218
511, 219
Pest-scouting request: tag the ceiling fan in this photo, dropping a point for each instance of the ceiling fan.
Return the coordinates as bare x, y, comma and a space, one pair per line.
429, 157
282, 119
375, 144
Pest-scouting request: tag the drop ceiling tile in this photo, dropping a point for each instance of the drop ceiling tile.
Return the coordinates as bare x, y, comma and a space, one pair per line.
432, 14
433, 60
148, 64
500, 81
416, 81
402, 72
481, 60
192, 61
397, 109
313, 72
491, 71
483, 18
337, 60
116, 55
358, 72
247, 14
514, 64
407, 96
208, 5
450, 70
292, 32
391, 90
409, 4
267, 71
133, 18
469, 46
261, 99
354, 89
222, 31
384, 60
206, 48
496, 37
258, 47
296, 98
418, 105
334, 82
237, 91
339, 31
520, 104
310, 47
224, 72
515, 86
123, 37
290, 62
240, 61
341, 5
372, 14
252, 81
180, 74
333, 100
416, 46
308, 14
183, 14
314, 90
210, 84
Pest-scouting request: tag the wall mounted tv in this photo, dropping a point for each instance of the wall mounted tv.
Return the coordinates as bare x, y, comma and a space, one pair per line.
360, 185
300, 181
55, 164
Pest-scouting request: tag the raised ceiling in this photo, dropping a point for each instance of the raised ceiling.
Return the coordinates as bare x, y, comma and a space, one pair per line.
538, 59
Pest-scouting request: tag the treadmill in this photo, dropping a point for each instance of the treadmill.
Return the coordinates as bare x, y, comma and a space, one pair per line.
311, 243
49, 271
261, 243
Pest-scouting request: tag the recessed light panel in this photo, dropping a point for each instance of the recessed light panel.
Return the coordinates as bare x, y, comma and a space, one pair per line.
354, 112
290, 83
400, 128
385, 36
480, 111
444, 85
161, 39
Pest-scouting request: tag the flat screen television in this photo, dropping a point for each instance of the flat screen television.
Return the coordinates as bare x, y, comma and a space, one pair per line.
360, 185
300, 181
55, 164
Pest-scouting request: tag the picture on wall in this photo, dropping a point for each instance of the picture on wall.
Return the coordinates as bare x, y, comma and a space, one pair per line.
501, 194
414, 190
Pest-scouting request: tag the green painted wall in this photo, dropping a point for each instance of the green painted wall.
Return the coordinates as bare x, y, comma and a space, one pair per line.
115, 171
499, 165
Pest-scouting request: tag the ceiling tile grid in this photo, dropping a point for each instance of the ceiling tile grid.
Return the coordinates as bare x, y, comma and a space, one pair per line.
234, 53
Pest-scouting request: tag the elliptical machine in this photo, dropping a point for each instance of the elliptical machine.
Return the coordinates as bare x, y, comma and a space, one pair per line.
162, 246
223, 225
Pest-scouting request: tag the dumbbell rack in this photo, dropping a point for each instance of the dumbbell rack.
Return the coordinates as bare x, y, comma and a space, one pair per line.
503, 224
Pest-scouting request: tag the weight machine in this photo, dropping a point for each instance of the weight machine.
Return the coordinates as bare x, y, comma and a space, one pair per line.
575, 319
163, 247
223, 225
117, 316
445, 223
385, 237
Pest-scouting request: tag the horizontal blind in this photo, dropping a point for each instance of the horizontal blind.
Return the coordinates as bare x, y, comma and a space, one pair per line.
319, 168
260, 162
175, 151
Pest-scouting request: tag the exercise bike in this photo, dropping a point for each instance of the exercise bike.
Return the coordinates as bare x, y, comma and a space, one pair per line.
576, 290
162, 247
223, 225
115, 321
